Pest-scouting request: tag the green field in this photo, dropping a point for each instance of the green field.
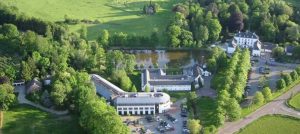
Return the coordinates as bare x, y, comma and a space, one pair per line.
295, 101
205, 109
273, 125
114, 15
27, 120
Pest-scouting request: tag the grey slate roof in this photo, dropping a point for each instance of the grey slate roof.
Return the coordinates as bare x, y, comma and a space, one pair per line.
247, 34
110, 91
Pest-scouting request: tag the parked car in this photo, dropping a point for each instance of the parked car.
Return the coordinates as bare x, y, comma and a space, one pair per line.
149, 118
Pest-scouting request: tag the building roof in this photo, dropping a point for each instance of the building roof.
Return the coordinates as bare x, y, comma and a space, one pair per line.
173, 82
268, 46
33, 86
246, 34
142, 98
107, 89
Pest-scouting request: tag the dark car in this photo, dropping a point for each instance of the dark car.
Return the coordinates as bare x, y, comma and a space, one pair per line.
150, 118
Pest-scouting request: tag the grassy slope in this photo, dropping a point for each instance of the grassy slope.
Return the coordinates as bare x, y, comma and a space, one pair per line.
295, 101
273, 125
115, 17
27, 120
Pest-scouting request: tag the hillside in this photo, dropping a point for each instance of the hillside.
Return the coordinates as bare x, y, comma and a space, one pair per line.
114, 15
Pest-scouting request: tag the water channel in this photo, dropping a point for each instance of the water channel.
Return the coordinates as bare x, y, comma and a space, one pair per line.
169, 58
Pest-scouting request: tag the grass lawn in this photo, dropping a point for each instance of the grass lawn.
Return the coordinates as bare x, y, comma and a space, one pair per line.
273, 125
205, 110
27, 120
295, 101
177, 95
114, 15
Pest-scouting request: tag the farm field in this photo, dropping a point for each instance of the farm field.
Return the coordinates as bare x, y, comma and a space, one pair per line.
114, 15
295, 101
28, 120
273, 125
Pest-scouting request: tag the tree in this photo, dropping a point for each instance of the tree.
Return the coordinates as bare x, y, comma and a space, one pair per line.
203, 34
267, 93
194, 126
294, 75
125, 83
214, 28
26, 71
133, 88
233, 109
278, 53
280, 84
83, 32
258, 98
60, 92
236, 22
9, 30
104, 38
268, 30
288, 79
7, 96
147, 88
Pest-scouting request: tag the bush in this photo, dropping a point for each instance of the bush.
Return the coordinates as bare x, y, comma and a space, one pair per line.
288, 79
294, 75
209, 130
258, 98
280, 84
267, 93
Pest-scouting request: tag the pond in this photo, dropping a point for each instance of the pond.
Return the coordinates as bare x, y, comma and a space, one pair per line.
169, 58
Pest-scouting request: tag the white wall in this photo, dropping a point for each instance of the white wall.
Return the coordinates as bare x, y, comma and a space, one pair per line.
170, 87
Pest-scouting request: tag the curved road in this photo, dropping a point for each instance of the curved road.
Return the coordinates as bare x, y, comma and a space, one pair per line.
277, 106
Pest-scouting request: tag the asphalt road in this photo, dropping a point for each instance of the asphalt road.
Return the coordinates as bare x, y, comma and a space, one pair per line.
277, 106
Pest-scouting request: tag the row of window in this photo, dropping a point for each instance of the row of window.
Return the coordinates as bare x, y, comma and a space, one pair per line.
136, 108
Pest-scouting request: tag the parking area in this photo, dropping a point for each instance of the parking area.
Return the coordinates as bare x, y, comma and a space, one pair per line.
266, 66
170, 122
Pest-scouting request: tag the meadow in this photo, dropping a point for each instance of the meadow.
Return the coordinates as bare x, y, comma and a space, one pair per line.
274, 124
27, 120
114, 15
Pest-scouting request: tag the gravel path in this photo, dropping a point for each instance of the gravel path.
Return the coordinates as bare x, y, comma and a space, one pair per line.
277, 106
23, 100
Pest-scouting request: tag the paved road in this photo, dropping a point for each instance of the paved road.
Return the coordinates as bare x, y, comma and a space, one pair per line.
277, 106
23, 100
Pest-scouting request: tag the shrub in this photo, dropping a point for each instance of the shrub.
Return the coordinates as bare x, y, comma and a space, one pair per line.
288, 79
267, 93
294, 75
258, 98
280, 84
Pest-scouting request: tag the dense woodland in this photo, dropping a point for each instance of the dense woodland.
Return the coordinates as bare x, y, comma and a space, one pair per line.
202, 22
32, 48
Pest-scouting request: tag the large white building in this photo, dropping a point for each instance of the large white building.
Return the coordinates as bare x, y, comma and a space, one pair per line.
245, 40
132, 103
158, 80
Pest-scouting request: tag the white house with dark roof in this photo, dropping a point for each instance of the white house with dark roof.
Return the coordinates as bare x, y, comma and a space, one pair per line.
131, 103
245, 40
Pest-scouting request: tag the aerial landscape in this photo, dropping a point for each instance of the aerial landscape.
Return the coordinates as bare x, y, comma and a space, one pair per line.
149, 66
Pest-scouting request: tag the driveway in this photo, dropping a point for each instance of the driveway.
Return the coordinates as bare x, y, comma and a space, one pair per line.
23, 100
277, 106
275, 72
